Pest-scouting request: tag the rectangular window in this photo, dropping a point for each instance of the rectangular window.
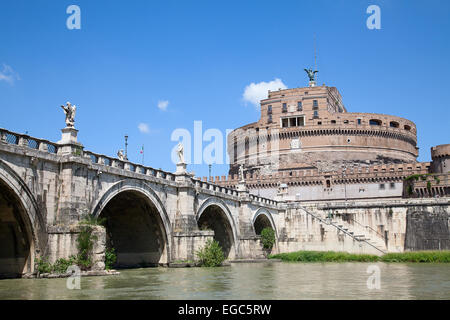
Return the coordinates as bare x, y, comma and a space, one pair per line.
292, 122
269, 120
392, 185
316, 114
269, 109
315, 103
284, 107
284, 123
359, 121
300, 121
299, 106
381, 186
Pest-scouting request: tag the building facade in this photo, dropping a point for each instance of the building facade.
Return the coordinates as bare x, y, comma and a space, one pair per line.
306, 146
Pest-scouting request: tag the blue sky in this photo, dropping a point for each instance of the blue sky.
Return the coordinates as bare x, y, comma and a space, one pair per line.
200, 55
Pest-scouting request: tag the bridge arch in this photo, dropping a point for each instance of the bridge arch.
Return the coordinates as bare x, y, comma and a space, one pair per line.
137, 224
262, 219
23, 234
214, 214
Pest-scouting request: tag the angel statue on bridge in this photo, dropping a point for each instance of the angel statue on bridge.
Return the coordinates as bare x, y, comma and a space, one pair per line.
69, 110
121, 155
180, 152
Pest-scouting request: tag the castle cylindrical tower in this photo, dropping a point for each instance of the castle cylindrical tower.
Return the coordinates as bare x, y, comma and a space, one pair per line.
307, 128
441, 158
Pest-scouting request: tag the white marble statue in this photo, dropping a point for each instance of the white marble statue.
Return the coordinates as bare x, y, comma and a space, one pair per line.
180, 152
121, 155
70, 111
241, 172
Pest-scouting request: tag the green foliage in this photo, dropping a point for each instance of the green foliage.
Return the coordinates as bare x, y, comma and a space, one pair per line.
331, 256
77, 152
268, 238
429, 185
110, 258
417, 256
417, 176
323, 256
437, 179
91, 220
43, 265
85, 244
410, 190
61, 265
211, 255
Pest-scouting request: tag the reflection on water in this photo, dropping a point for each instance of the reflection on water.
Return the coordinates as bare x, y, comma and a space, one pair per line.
275, 280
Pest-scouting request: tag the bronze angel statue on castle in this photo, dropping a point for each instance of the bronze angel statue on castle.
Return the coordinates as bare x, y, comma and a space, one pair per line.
311, 74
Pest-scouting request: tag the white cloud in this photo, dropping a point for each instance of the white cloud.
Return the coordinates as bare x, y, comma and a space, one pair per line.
162, 104
8, 74
255, 92
143, 128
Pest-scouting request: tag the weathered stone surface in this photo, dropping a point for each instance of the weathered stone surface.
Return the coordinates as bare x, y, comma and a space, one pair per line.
152, 218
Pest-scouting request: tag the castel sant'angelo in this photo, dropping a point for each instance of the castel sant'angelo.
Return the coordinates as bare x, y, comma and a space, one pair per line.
307, 146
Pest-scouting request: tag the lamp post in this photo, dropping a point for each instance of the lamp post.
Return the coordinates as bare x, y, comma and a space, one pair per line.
126, 147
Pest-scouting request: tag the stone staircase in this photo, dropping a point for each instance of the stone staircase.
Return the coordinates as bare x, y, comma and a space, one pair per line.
356, 231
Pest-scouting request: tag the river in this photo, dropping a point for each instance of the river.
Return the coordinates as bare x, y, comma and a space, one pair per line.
271, 280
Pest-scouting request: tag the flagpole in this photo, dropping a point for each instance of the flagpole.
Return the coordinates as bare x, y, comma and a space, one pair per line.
142, 154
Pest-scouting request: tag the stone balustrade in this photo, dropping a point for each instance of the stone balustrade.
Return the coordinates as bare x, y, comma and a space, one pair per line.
25, 140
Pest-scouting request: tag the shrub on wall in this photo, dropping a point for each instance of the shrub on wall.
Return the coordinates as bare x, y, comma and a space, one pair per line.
268, 238
110, 258
211, 255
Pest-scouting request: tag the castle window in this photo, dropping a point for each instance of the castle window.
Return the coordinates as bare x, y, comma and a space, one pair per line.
299, 106
328, 184
381, 186
269, 120
345, 121
269, 109
284, 107
300, 121
315, 104
393, 124
333, 121
319, 123
292, 122
284, 123
359, 121
407, 127
392, 185
375, 122
316, 114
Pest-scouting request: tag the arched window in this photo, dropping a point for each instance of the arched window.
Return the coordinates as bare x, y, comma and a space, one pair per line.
375, 122
393, 124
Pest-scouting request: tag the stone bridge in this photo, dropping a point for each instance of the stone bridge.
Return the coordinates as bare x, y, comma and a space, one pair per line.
153, 217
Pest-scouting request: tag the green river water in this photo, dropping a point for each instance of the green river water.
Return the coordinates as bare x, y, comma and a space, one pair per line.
271, 280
